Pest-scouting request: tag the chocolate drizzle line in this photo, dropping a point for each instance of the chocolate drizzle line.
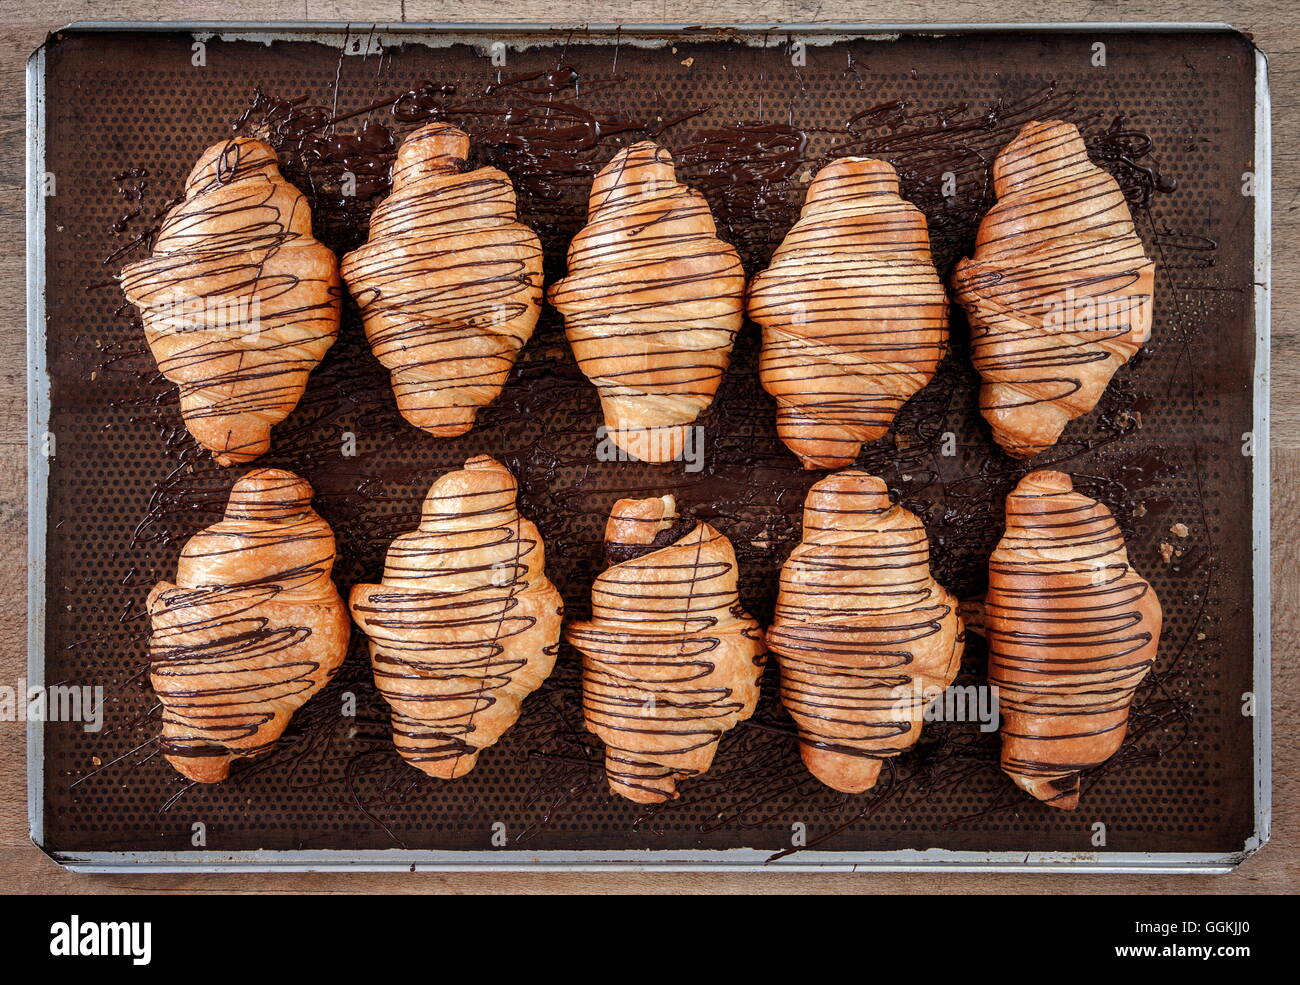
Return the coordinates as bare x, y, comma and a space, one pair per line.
1059, 288
652, 302
464, 624
252, 628
1072, 630
854, 318
449, 283
864, 634
670, 659
238, 301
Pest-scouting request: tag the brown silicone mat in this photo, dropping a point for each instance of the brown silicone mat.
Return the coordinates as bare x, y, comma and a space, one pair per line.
1171, 116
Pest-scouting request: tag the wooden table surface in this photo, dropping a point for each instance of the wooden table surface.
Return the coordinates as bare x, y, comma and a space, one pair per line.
23, 868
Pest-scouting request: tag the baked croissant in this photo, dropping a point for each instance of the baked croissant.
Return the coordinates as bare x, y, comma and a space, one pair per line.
239, 301
251, 629
465, 624
670, 660
864, 635
1072, 630
854, 316
449, 283
652, 302
1058, 292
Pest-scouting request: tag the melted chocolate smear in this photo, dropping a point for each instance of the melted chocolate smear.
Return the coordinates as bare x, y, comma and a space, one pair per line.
616, 553
748, 172
545, 131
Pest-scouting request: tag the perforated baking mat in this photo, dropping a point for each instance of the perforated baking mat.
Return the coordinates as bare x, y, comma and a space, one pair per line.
1177, 447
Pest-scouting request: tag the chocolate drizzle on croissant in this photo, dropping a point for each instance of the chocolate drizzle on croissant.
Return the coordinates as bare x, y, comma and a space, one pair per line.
652, 302
670, 659
1059, 292
1072, 630
854, 316
251, 629
449, 283
864, 635
465, 624
239, 301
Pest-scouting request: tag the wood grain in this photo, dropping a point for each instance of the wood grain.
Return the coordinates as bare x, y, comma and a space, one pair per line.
23, 868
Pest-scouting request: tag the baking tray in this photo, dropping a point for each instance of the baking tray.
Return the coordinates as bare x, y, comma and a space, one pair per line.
117, 113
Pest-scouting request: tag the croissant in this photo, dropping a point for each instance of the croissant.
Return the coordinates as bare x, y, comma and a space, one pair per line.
1072, 630
449, 283
670, 660
652, 302
239, 301
854, 316
1059, 290
465, 624
250, 630
864, 635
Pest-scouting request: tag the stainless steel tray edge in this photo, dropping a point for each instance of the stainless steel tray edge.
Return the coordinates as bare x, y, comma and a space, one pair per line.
1263, 163
38, 415
733, 860
730, 860
696, 30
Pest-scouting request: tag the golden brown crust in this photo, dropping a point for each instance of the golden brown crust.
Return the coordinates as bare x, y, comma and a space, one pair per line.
638, 521
652, 302
239, 301
1059, 292
465, 624
670, 659
864, 635
854, 316
1072, 630
250, 630
449, 283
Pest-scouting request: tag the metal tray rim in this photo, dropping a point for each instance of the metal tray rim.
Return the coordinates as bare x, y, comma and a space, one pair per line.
38, 383
744, 860
651, 27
